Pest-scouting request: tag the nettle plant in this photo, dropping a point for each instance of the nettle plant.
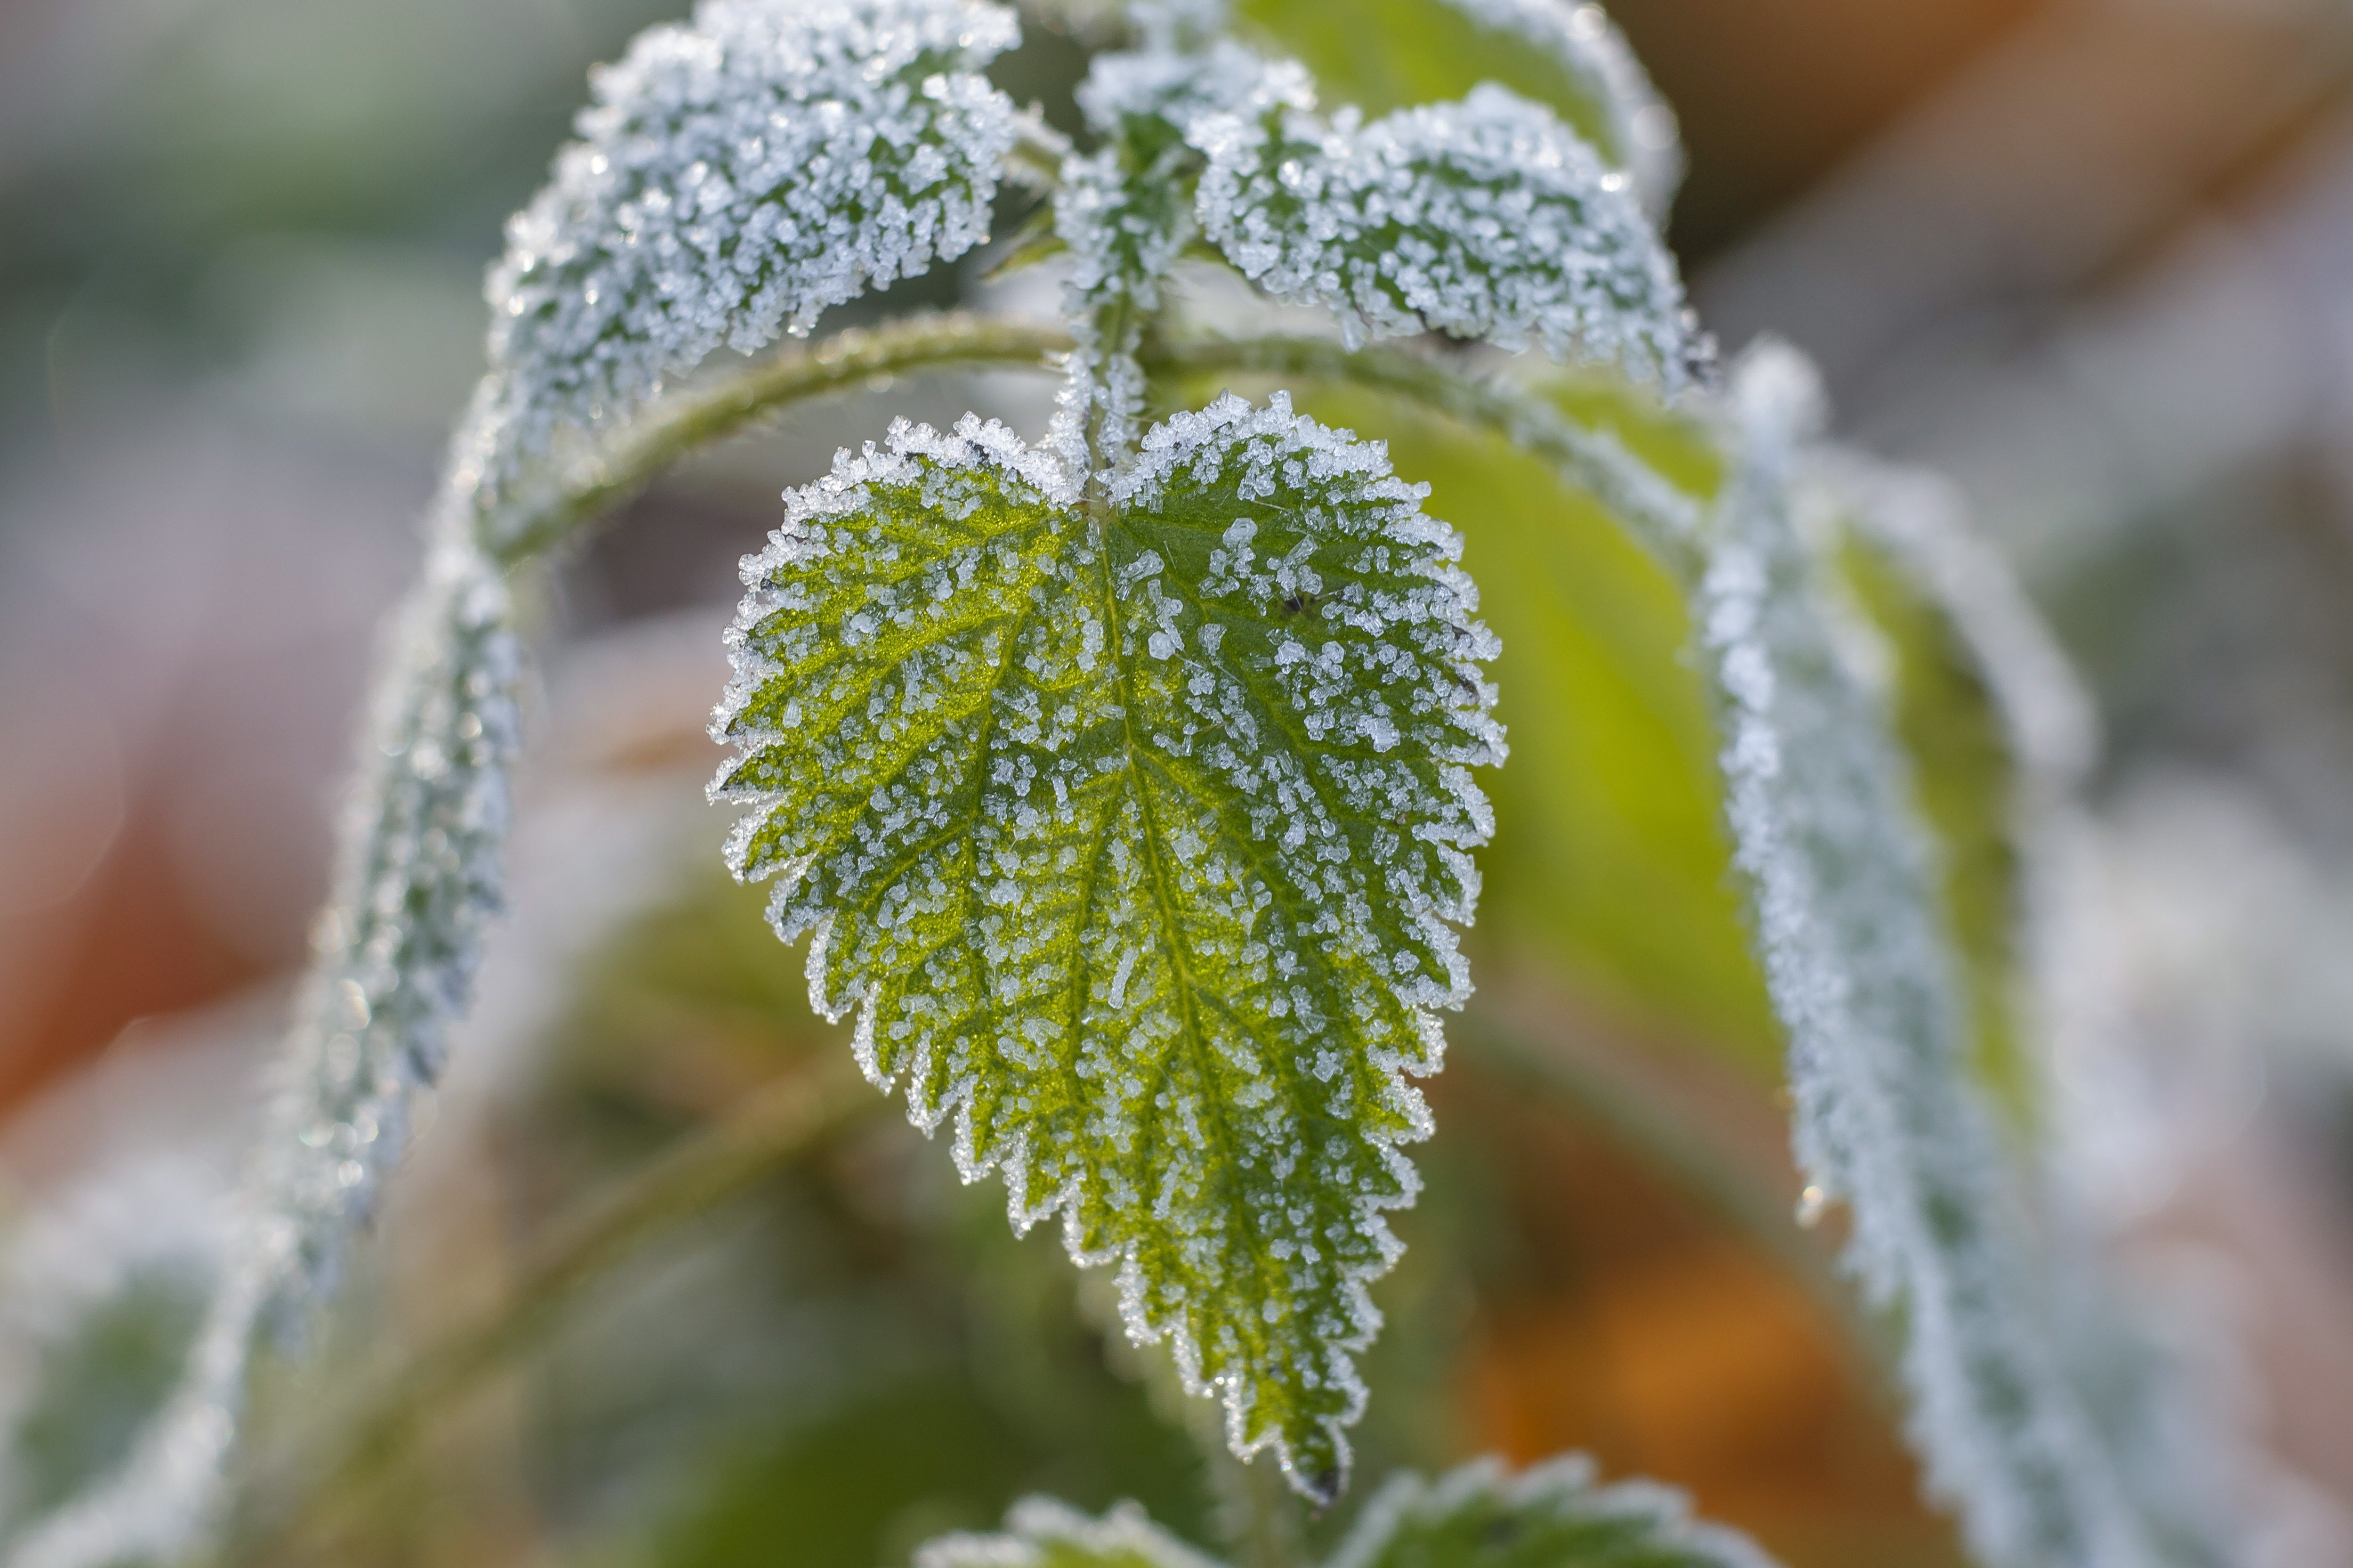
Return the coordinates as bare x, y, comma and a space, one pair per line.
1128, 781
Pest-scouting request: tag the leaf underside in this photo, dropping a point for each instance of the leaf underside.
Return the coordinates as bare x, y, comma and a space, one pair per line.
1134, 829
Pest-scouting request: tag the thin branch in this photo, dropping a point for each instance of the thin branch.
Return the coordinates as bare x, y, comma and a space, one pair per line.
693, 419
1663, 520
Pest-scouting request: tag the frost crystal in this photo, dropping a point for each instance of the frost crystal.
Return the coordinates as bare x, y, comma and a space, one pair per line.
1135, 842
732, 177
1640, 129
1548, 1516
1855, 957
1486, 219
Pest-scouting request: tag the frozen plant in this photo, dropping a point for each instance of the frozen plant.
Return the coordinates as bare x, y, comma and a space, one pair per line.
1124, 776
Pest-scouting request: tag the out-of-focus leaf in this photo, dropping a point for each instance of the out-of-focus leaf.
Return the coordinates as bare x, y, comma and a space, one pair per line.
93, 1389
1043, 1533
1950, 727
1552, 1515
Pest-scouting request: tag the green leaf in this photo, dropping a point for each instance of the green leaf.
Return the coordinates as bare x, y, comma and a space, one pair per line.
1383, 55
1551, 1515
1134, 829
1487, 219
1043, 1533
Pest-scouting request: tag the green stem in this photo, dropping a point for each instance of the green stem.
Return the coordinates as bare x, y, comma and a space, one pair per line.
775, 1125
690, 420
1661, 519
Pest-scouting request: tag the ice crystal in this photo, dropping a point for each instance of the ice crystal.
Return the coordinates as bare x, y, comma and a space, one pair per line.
1640, 129
734, 177
1134, 837
1856, 960
1552, 1515
1486, 219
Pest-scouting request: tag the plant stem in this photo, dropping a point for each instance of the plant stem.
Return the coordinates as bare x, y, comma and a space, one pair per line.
1663, 520
777, 1123
690, 420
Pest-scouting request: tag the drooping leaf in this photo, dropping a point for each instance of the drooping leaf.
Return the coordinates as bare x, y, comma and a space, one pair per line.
1553, 1515
734, 177
1857, 956
1384, 55
1488, 219
1134, 834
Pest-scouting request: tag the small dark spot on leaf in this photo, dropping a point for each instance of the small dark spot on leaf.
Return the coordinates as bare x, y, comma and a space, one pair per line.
1501, 1531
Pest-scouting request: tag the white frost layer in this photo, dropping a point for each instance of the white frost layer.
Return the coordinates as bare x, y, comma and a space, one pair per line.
1590, 48
731, 178
1486, 219
1856, 958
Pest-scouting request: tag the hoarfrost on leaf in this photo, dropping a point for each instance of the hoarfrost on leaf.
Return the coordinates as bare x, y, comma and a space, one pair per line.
1134, 831
1640, 131
734, 177
1486, 219
1856, 960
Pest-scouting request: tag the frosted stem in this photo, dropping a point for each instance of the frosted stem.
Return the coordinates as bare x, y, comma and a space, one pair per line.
1661, 519
689, 420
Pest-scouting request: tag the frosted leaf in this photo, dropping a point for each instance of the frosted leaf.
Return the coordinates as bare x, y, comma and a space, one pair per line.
1923, 521
1486, 219
731, 178
1134, 833
1856, 958
1042, 1534
396, 951
1553, 1515
1641, 136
